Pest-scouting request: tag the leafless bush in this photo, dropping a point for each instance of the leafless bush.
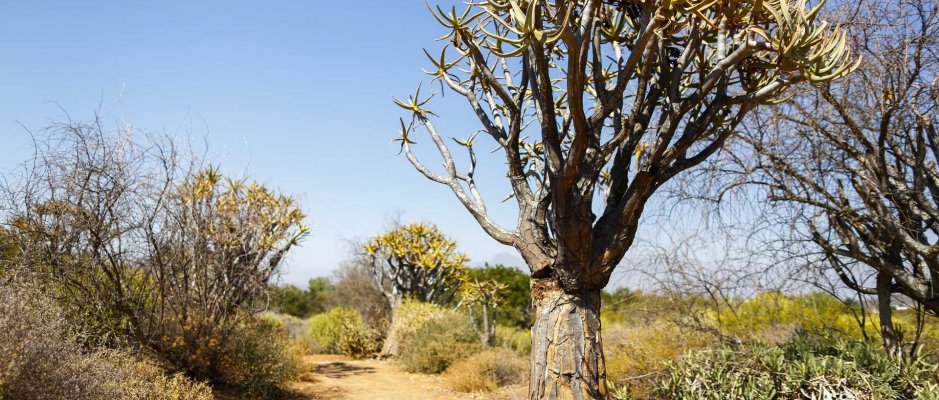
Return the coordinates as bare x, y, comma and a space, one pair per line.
142, 243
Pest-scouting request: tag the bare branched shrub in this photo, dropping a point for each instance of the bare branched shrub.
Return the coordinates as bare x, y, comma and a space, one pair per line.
356, 288
145, 246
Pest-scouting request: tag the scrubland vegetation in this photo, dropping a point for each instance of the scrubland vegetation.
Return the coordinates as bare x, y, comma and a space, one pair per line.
132, 268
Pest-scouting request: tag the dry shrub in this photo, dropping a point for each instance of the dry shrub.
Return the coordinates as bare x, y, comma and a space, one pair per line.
515, 339
636, 356
487, 371
408, 317
433, 338
295, 327
258, 359
40, 359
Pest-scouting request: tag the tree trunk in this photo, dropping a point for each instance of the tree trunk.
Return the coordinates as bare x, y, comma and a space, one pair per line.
887, 331
390, 346
566, 352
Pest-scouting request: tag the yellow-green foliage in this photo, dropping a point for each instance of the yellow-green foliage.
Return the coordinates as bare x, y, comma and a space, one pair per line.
326, 329
905, 321
342, 331
774, 317
408, 317
487, 371
425, 256
430, 338
295, 327
515, 339
420, 245
637, 354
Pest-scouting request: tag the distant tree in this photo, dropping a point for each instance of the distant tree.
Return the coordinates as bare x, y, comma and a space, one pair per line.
289, 299
515, 308
595, 104
854, 163
483, 299
619, 298
416, 261
356, 288
319, 290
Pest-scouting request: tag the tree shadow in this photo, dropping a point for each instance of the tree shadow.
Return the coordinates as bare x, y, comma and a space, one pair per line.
338, 369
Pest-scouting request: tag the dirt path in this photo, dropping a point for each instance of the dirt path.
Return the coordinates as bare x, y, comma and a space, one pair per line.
340, 378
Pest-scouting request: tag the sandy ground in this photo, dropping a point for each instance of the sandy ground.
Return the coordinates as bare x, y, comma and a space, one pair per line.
332, 377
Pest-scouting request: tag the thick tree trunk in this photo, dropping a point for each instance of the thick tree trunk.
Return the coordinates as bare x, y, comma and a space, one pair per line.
566, 352
887, 331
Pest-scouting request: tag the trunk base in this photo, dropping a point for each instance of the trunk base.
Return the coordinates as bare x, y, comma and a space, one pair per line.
567, 351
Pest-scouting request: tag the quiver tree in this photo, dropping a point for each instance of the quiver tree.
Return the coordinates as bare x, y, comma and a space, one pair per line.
487, 296
594, 105
856, 160
416, 261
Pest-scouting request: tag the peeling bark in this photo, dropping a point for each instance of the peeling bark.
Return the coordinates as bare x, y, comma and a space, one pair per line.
567, 351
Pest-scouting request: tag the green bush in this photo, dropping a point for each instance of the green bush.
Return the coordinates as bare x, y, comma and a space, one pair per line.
342, 331
487, 371
295, 327
808, 367
515, 339
437, 338
326, 329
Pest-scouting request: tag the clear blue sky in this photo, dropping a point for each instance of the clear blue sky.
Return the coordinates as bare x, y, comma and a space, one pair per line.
296, 93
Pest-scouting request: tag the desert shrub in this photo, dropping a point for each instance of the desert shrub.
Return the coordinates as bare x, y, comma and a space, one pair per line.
147, 250
637, 355
358, 341
434, 338
633, 307
807, 367
408, 317
775, 317
295, 327
40, 359
342, 331
487, 371
255, 357
258, 359
515, 339
326, 329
